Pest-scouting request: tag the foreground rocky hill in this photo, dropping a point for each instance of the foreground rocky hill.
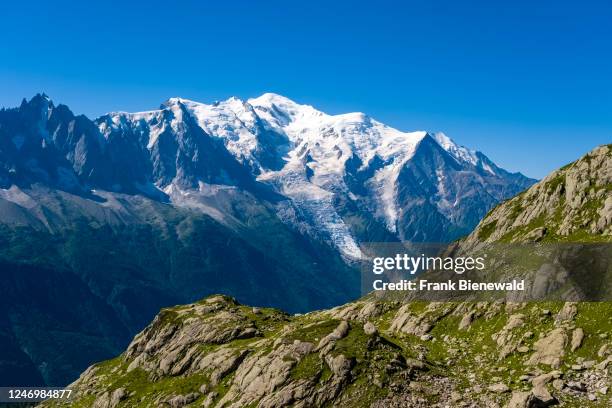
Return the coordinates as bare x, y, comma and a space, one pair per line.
218, 353
377, 352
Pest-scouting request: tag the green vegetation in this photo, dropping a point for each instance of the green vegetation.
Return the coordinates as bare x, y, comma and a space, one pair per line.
309, 368
485, 231
312, 331
354, 344
553, 185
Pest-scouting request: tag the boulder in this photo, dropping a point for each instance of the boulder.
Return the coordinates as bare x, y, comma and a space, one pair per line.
550, 349
466, 320
542, 396
117, 396
369, 329
577, 337
339, 365
520, 399
327, 342
498, 388
567, 312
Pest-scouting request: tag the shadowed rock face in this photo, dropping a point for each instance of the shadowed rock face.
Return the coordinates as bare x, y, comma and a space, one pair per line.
374, 352
42, 143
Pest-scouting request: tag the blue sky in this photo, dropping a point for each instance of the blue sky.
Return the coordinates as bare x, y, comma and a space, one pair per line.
528, 83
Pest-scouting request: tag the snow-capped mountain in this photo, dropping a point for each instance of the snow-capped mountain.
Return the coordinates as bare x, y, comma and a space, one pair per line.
337, 170
344, 178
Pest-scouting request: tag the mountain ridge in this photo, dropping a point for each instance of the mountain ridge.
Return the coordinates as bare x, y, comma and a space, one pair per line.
304, 152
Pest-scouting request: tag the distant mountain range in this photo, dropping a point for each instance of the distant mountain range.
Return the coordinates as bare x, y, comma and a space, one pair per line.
103, 222
331, 173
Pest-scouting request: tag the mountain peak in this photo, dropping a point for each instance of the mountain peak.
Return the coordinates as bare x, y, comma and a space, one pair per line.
38, 100
270, 98
176, 101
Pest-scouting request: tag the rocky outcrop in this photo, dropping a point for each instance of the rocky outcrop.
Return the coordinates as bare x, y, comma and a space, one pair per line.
577, 336
218, 353
549, 349
419, 324
568, 203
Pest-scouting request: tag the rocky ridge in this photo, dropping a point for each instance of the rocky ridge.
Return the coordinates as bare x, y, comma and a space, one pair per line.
572, 204
341, 178
218, 353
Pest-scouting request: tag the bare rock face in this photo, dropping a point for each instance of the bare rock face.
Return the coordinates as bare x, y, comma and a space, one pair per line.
328, 341
421, 324
506, 338
168, 346
466, 320
220, 363
179, 401
498, 388
261, 374
542, 397
340, 365
550, 349
110, 399
536, 398
520, 399
369, 329
543, 379
361, 311
605, 216
568, 312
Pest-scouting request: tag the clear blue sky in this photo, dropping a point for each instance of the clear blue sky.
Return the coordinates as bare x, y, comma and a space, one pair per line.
529, 83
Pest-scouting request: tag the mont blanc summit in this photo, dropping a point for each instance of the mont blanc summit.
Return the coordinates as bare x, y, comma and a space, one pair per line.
347, 176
